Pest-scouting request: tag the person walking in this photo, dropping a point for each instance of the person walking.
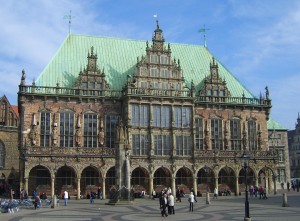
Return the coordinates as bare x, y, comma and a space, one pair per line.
215, 193
164, 205
171, 203
92, 197
66, 197
178, 195
192, 200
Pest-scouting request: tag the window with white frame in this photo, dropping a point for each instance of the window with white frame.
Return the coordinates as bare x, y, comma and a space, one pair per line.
164, 59
199, 138
140, 144
45, 129
140, 115
90, 130
216, 134
162, 145
66, 129
153, 72
153, 58
183, 145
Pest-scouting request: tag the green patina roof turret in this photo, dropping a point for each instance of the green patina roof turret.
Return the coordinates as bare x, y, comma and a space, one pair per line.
274, 125
118, 57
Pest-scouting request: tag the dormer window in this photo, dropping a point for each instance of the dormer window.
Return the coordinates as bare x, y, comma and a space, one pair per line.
153, 59
164, 73
153, 72
164, 59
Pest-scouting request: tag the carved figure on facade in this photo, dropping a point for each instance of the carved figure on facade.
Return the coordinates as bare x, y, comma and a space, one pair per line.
226, 136
259, 140
267, 92
207, 136
173, 168
244, 139
78, 132
23, 77
33, 131
101, 133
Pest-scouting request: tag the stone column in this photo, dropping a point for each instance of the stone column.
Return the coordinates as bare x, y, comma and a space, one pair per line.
237, 189
103, 188
150, 185
256, 180
217, 182
78, 188
173, 185
26, 185
195, 185
52, 186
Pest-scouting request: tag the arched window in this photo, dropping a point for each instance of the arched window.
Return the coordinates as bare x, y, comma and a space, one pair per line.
252, 135
2, 155
66, 128
2, 113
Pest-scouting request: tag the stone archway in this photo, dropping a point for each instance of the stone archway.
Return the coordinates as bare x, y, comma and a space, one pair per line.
226, 180
205, 180
162, 179
184, 179
90, 180
65, 180
110, 180
39, 180
250, 178
140, 179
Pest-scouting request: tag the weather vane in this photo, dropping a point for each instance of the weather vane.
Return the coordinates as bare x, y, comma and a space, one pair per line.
70, 19
204, 33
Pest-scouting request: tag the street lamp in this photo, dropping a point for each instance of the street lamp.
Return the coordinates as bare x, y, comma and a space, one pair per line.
245, 160
207, 193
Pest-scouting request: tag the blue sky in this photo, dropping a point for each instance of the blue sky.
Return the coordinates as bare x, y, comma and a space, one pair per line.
257, 40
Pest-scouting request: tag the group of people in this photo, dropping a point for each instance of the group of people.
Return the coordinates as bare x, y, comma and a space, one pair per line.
166, 202
255, 191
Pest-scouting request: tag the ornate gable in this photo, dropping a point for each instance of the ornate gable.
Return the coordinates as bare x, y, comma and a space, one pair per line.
91, 78
157, 73
214, 85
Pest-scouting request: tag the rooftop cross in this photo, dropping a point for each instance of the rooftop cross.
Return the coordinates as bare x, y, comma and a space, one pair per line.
204, 33
70, 19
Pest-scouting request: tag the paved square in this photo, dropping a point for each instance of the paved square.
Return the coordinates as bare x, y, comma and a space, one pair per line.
223, 208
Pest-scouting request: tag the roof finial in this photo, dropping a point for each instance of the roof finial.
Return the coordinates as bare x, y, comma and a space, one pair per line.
69, 16
204, 33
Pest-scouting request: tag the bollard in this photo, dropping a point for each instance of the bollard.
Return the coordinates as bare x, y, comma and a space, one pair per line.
284, 203
207, 198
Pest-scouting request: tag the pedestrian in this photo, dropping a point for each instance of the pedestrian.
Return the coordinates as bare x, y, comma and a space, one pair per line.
37, 202
171, 203
265, 193
164, 205
99, 192
153, 194
192, 200
215, 193
66, 197
178, 195
288, 186
92, 197
261, 192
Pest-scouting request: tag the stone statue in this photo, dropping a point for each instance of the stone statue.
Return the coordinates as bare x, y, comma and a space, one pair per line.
267, 92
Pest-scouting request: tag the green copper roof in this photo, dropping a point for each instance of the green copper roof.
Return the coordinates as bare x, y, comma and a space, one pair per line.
273, 125
118, 58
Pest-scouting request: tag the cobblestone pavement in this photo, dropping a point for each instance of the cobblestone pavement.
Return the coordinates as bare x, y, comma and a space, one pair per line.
224, 208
